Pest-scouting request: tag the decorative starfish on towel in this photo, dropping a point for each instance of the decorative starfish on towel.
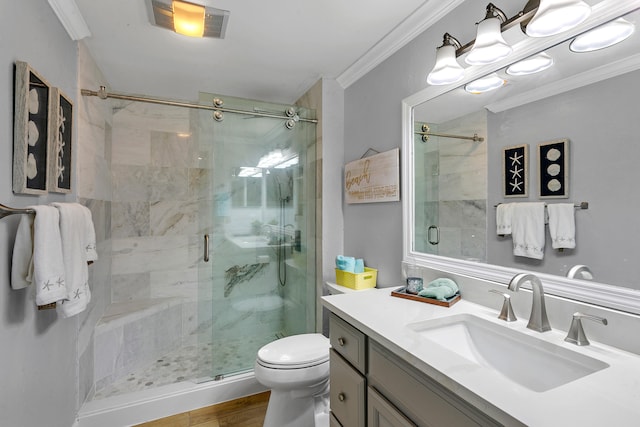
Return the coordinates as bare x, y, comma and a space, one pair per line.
77, 293
47, 285
60, 282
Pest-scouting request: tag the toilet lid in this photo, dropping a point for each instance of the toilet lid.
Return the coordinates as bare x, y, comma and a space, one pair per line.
295, 351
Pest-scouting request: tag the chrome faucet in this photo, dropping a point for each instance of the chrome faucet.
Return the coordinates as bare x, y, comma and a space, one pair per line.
576, 333
538, 320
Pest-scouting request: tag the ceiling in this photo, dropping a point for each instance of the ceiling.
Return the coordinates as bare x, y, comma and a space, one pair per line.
273, 50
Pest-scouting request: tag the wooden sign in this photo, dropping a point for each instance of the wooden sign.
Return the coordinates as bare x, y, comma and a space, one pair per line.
373, 179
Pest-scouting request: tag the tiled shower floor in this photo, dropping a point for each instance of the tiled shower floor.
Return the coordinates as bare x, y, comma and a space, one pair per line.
189, 363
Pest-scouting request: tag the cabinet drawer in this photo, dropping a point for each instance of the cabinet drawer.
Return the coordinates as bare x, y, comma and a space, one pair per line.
347, 392
417, 396
383, 414
348, 341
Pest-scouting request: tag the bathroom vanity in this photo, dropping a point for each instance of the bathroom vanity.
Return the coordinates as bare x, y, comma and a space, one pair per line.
396, 362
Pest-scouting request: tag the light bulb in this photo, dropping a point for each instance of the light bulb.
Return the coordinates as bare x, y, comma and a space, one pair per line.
603, 36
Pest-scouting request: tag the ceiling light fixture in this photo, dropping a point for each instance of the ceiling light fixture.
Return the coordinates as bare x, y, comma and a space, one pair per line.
555, 16
485, 84
188, 18
603, 36
531, 65
489, 46
447, 69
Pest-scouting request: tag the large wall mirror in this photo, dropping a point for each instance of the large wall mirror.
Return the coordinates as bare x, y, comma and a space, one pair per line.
454, 176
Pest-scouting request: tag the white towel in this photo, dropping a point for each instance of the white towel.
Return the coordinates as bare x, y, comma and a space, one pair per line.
78, 247
48, 265
562, 225
527, 229
504, 212
22, 258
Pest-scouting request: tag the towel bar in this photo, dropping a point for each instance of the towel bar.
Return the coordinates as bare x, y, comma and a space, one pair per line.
6, 211
581, 205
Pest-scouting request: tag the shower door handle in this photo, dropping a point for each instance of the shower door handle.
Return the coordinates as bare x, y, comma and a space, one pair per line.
206, 248
430, 231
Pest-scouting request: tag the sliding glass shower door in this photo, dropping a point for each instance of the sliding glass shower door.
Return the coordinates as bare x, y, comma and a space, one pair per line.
257, 222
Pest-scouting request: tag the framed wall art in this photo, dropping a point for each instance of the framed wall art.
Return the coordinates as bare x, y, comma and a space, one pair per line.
515, 167
31, 131
60, 140
373, 179
553, 169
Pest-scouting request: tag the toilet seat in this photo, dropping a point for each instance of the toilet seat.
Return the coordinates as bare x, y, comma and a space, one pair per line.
295, 352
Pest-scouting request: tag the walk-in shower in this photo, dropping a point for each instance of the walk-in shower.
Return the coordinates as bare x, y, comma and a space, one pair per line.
229, 177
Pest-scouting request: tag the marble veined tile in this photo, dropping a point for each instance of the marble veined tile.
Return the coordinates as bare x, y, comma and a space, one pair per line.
176, 283
130, 183
168, 184
144, 254
130, 287
131, 146
172, 150
130, 219
173, 218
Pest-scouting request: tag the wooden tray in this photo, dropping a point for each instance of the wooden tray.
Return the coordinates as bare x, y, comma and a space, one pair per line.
402, 293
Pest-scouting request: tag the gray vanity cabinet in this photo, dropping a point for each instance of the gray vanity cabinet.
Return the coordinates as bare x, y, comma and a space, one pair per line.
347, 380
372, 386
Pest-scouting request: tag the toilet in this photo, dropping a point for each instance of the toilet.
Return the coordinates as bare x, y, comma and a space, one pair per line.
296, 369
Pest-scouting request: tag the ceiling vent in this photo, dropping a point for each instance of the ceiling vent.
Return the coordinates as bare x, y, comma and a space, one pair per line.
215, 20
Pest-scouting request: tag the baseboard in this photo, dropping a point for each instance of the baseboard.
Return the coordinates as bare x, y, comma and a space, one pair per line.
148, 405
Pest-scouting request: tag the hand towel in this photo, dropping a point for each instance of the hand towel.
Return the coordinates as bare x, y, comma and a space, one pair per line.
48, 263
78, 243
346, 263
504, 212
527, 229
562, 225
440, 289
359, 266
22, 258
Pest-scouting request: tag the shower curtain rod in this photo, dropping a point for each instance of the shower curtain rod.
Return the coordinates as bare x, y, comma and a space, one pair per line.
474, 138
426, 134
103, 94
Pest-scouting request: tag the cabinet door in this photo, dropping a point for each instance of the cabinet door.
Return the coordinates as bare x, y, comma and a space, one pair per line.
347, 392
382, 414
333, 421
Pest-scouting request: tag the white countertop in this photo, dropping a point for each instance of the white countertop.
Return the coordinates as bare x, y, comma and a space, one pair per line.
610, 397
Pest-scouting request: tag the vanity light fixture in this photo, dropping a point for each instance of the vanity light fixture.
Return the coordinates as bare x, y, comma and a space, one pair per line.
447, 69
555, 16
603, 36
531, 65
489, 46
485, 84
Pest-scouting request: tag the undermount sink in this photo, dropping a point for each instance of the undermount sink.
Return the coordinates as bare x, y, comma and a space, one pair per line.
530, 362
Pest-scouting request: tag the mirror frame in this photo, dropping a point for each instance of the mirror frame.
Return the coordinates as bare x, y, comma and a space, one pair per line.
601, 294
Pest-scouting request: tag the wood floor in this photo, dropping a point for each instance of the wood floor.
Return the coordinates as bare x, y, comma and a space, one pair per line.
244, 412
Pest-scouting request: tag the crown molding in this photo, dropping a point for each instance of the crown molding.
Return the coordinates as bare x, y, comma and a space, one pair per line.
71, 19
416, 23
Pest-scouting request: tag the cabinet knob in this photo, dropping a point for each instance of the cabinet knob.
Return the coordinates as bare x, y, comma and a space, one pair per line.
341, 341
341, 397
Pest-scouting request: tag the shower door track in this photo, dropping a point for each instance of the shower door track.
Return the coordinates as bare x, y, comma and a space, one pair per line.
103, 94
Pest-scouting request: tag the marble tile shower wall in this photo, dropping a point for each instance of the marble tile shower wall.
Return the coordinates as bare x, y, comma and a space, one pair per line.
93, 162
154, 215
463, 189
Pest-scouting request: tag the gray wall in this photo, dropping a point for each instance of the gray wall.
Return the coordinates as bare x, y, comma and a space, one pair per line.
373, 120
601, 123
38, 354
